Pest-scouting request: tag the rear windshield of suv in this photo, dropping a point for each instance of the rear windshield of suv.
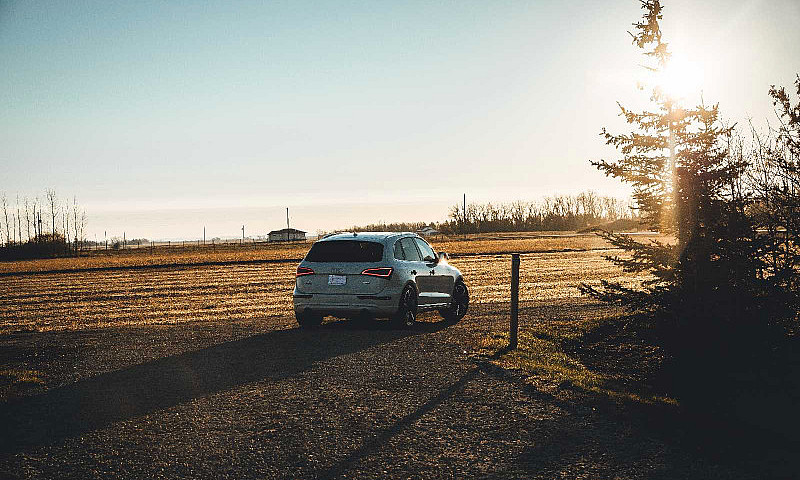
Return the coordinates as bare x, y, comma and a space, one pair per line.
345, 251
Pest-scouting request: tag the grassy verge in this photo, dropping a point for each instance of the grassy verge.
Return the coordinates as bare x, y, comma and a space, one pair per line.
572, 355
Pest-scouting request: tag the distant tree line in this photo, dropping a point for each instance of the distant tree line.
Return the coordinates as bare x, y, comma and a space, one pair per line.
554, 213
41, 227
392, 227
559, 212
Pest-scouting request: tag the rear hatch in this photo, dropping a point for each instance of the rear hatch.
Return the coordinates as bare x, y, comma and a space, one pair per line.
338, 267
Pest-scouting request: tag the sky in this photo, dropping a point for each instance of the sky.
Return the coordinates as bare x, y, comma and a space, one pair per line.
161, 118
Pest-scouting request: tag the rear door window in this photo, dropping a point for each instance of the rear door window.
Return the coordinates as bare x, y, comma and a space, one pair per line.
410, 249
398, 251
346, 251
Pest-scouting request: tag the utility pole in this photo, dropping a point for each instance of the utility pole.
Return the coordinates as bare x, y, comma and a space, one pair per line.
204, 235
287, 224
242, 234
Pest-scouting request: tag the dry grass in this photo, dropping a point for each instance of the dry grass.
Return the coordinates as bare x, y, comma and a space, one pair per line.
186, 293
162, 256
523, 243
230, 253
79, 300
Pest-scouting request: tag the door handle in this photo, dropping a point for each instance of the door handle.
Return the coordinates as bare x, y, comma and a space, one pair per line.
413, 272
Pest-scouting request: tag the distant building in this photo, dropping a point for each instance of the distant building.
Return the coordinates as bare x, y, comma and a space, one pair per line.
427, 232
290, 234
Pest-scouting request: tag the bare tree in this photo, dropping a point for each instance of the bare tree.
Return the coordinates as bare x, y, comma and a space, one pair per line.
4, 201
78, 223
65, 224
19, 222
27, 220
82, 228
35, 232
52, 200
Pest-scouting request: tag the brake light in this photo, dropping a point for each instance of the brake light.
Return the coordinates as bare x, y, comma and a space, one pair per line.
382, 272
304, 271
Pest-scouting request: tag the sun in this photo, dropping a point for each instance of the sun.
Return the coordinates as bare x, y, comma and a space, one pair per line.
680, 79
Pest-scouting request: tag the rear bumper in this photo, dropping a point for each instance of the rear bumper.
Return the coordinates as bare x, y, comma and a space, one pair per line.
339, 305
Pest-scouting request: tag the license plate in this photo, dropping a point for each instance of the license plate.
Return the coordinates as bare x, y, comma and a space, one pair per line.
337, 279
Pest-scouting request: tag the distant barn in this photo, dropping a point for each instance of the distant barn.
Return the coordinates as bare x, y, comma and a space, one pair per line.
287, 234
427, 232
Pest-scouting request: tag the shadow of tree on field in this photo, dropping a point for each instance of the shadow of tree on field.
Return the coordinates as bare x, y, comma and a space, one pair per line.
99, 401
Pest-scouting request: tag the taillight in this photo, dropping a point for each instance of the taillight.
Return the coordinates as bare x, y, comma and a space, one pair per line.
304, 271
383, 272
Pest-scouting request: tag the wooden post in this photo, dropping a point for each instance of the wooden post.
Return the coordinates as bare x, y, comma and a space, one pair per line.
514, 327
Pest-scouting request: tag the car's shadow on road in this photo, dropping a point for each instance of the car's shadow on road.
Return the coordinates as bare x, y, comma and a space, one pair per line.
99, 401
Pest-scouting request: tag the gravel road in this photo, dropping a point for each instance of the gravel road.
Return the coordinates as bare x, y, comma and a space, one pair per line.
345, 401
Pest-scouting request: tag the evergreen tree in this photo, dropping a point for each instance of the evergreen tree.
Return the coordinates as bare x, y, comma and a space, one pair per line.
685, 184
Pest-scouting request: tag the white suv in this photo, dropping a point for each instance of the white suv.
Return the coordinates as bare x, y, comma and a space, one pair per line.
377, 274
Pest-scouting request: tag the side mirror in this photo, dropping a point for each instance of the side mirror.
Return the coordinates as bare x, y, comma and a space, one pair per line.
443, 257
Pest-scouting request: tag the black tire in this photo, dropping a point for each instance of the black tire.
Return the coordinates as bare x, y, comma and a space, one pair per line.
459, 303
406, 315
308, 320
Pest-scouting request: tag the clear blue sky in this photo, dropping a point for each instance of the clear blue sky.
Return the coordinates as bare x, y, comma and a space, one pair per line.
165, 116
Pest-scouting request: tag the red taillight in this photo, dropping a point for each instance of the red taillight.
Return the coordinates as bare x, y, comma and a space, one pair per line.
383, 272
304, 271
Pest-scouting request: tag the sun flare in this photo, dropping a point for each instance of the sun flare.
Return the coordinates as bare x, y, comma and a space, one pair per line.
681, 79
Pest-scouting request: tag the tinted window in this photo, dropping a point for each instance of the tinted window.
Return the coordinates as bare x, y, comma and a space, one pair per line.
345, 251
398, 251
410, 250
426, 249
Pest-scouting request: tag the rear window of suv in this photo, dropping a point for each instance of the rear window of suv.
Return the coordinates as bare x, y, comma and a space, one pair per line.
345, 251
